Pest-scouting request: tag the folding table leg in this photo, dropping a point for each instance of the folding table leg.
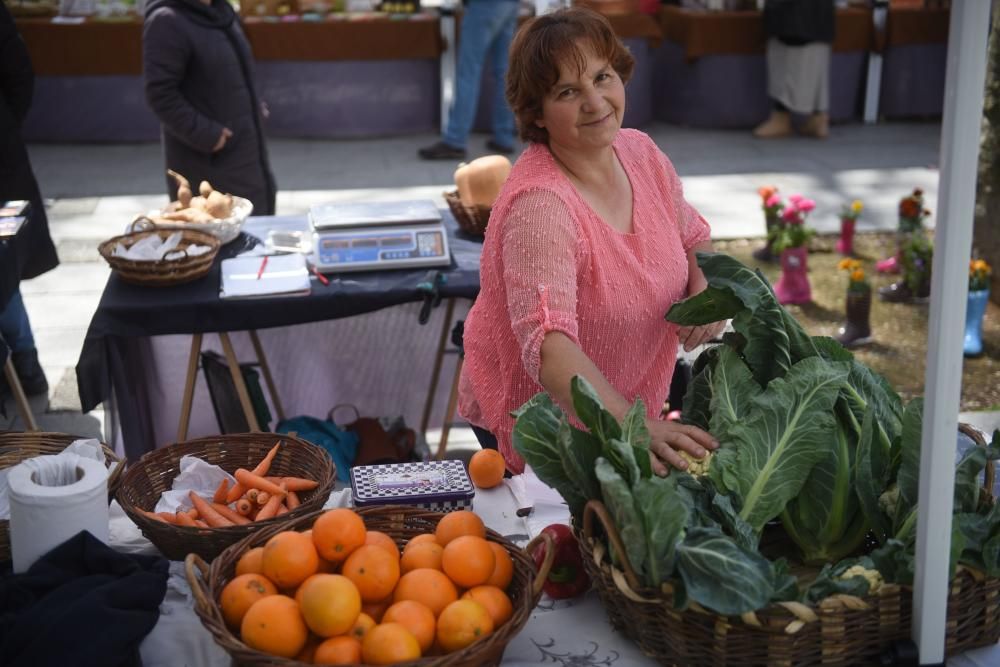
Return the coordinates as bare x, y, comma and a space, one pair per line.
449, 415
259, 351
241, 387
188, 398
23, 406
436, 373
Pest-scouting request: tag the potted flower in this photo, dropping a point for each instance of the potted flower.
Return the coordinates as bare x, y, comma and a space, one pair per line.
858, 330
772, 206
848, 219
910, 220
979, 295
916, 256
790, 241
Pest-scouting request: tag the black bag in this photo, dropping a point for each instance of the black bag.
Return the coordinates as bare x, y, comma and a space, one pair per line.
225, 400
799, 22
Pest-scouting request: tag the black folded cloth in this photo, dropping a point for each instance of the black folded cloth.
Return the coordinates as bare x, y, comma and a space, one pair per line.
81, 604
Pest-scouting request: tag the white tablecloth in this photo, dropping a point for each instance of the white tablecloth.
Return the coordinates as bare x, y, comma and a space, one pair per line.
565, 633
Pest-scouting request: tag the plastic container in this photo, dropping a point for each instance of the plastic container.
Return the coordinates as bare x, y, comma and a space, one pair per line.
442, 486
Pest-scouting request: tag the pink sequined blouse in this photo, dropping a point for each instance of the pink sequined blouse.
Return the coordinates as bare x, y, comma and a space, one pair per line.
549, 263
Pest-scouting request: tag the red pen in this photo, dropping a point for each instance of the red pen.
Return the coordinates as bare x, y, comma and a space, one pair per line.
321, 277
263, 265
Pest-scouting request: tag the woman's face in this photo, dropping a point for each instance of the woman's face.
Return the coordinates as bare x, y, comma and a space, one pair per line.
584, 109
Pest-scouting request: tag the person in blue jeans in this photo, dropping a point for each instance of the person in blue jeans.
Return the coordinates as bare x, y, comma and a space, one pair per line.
15, 330
487, 31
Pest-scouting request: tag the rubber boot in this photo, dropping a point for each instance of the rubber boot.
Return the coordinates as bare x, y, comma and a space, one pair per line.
858, 329
974, 311
779, 124
817, 126
793, 286
765, 253
845, 244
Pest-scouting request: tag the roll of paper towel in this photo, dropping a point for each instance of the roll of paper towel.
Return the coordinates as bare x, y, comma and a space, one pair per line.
52, 498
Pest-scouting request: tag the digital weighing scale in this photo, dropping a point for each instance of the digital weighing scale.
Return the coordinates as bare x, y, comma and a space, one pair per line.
361, 236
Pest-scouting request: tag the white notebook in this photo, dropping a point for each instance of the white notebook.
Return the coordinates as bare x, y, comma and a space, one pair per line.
282, 275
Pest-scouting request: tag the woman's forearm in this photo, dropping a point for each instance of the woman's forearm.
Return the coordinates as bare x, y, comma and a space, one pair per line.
561, 359
696, 279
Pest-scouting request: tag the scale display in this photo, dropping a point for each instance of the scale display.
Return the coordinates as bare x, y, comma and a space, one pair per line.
359, 236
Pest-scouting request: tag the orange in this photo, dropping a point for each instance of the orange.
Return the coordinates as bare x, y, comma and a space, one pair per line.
456, 524
361, 626
308, 652
422, 554
373, 570
422, 537
338, 532
338, 651
468, 561
416, 618
252, 562
461, 623
494, 600
428, 587
376, 609
380, 539
486, 468
240, 593
289, 559
503, 571
389, 643
330, 604
274, 625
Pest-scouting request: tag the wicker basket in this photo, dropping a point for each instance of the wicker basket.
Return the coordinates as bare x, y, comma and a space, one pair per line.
472, 219
154, 473
400, 523
16, 447
840, 631
165, 272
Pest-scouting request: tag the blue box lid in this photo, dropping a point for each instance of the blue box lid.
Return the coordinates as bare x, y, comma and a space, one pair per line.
416, 483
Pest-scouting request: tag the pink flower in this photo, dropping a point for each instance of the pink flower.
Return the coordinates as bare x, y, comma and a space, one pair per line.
791, 216
795, 199
773, 200
806, 205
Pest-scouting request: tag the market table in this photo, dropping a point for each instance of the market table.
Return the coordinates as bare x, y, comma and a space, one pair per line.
913, 70
354, 341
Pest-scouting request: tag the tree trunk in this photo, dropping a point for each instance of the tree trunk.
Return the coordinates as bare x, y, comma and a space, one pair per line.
986, 236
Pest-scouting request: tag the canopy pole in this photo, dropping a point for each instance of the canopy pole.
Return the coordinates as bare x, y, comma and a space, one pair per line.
960, 127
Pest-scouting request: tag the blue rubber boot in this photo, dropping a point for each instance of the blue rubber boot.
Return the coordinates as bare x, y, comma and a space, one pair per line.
974, 312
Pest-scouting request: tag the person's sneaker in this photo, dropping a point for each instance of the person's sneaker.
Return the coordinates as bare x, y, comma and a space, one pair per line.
441, 151
499, 148
30, 372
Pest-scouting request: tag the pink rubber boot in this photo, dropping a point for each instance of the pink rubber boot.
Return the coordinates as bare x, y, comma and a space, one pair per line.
793, 286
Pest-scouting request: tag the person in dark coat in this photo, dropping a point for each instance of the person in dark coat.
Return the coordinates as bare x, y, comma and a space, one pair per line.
199, 81
32, 249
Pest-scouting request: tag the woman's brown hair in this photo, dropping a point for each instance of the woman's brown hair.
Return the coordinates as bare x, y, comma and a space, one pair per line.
542, 45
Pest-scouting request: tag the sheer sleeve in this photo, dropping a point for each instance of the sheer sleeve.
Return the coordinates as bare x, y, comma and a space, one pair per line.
540, 254
694, 229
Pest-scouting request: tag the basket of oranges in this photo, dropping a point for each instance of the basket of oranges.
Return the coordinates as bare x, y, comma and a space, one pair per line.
378, 585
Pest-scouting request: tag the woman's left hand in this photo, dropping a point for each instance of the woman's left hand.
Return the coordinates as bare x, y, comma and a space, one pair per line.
692, 337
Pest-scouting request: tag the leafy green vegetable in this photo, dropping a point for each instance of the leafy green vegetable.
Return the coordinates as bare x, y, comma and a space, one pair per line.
721, 575
628, 519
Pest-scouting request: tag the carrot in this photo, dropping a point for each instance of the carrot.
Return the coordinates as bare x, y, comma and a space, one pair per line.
154, 516
169, 517
282, 509
299, 483
271, 508
230, 514
235, 493
193, 512
265, 463
251, 495
249, 479
243, 507
263, 497
221, 492
292, 499
208, 513
200, 523
184, 519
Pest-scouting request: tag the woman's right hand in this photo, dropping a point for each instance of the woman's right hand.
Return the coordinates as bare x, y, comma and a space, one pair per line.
668, 437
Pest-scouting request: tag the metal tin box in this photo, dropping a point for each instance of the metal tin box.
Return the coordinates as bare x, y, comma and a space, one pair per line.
442, 486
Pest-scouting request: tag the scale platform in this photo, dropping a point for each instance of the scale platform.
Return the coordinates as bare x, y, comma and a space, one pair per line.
366, 236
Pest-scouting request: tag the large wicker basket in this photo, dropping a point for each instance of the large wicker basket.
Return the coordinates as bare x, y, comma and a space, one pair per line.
165, 272
400, 523
472, 219
154, 473
840, 631
16, 446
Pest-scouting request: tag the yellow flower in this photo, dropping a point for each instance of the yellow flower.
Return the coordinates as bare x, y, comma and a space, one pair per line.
981, 265
857, 206
844, 264
858, 275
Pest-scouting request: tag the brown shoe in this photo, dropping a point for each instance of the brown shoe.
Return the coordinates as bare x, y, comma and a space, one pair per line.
778, 125
817, 125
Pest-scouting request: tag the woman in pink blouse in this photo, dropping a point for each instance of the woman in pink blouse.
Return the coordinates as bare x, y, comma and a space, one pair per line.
589, 244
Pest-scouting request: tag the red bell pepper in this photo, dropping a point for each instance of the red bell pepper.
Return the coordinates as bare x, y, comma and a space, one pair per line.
568, 577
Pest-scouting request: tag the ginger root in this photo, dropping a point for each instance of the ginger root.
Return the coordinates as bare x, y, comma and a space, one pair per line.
208, 205
205, 189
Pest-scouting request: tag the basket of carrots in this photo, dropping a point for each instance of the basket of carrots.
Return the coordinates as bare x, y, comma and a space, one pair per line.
277, 477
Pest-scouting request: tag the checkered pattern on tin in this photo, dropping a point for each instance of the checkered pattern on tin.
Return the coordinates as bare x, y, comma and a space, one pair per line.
366, 485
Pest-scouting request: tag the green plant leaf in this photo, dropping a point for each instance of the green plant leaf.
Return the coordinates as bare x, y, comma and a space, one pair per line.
721, 576
623, 457
698, 397
628, 518
579, 452
780, 443
784, 583
635, 433
991, 556
591, 411
967, 474
871, 478
664, 517
732, 523
733, 391
908, 477
895, 561
828, 581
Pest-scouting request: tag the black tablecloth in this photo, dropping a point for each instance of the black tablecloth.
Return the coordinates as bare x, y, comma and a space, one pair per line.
129, 313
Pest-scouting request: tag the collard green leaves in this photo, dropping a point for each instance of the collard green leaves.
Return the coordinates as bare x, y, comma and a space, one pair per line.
722, 576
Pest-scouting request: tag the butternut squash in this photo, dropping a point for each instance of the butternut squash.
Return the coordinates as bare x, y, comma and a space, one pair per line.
479, 181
